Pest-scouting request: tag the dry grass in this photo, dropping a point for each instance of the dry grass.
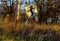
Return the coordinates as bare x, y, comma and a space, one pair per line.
29, 30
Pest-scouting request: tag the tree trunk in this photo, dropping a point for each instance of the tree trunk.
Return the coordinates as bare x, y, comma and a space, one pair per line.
18, 11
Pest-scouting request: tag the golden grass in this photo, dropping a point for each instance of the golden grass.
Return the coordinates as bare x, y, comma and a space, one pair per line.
8, 26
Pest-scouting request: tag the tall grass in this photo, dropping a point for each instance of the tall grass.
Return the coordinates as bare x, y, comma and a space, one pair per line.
9, 31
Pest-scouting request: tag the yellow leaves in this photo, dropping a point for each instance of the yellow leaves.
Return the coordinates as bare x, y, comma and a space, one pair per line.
35, 8
27, 9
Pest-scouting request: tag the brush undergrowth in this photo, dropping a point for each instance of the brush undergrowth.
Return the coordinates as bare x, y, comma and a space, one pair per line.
9, 31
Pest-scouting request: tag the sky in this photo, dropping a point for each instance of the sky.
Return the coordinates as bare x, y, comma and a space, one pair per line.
23, 5
0, 1
23, 0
